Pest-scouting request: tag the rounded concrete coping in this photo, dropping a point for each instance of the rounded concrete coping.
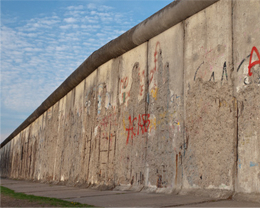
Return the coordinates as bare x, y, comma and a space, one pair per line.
172, 14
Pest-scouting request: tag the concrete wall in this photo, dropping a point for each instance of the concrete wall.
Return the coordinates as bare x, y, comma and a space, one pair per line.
178, 113
246, 28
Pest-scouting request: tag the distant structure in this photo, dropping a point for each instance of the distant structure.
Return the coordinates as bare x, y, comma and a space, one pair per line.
172, 105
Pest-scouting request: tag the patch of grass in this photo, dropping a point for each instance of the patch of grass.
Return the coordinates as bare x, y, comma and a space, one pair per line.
42, 200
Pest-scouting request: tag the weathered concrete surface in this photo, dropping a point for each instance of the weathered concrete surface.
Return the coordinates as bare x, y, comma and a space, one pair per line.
209, 161
119, 198
246, 49
131, 133
165, 109
177, 114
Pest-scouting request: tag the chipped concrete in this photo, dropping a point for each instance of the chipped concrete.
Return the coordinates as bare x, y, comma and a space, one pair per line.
177, 114
209, 160
246, 89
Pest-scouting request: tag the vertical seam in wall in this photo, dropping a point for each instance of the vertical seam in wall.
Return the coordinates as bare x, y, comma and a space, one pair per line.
183, 103
235, 104
147, 99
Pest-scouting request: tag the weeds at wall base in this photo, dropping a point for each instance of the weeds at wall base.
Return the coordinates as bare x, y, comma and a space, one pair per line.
43, 200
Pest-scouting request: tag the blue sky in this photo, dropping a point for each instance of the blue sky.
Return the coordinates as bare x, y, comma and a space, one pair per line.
43, 42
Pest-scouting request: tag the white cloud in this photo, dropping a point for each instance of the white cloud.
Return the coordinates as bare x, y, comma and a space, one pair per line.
62, 48
92, 40
75, 13
91, 6
70, 20
75, 7
40, 53
104, 8
33, 49
36, 24
49, 22
31, 35
75, 26
65, 27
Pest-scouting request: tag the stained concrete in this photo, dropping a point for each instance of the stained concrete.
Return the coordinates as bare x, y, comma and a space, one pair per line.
165, 107
178, 113
209, 161
246, 89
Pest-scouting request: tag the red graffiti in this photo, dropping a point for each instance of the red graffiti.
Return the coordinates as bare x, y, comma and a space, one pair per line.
155, 54
143, 123
254, 49
141, 76
155, 60
109, 119
141, 89
151, 75
106, 136
123, 85
124, 82
130, 129
104, 122
146, 122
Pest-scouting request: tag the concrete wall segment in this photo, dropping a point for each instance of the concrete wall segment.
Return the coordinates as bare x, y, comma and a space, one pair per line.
131, 137
209, 120
165, 108
106, 122
246, 26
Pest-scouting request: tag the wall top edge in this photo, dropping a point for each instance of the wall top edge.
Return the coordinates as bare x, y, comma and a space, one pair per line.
172, 14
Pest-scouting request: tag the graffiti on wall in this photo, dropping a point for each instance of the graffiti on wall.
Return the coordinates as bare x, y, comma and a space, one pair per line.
157, 51
248, 80
137, 126
224, 75
141, 75
126, 84
252, 64
254, 53
123, 86
209, 59
153, 85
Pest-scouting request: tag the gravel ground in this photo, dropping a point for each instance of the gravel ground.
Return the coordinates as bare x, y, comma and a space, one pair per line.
7, 201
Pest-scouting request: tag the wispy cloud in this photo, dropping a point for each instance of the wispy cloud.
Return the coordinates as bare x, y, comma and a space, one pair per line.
41, 52
70, 20
79, 7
